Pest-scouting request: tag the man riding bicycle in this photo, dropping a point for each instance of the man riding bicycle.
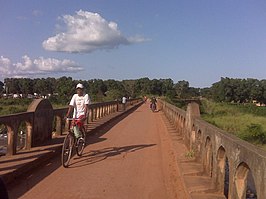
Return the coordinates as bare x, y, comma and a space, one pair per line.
79, 106
153, 104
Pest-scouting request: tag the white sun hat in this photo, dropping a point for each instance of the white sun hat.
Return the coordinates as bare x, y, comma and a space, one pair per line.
79, 85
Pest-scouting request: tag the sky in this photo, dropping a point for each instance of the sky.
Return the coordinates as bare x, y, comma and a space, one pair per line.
199, 41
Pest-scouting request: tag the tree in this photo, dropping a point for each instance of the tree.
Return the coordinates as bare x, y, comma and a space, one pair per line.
155, 87
167, 87
42, 86
130, 86
143, 86
1, 87
51, 82
65, 88
181, 88
263, 97
12, 85
97, 89
26, 86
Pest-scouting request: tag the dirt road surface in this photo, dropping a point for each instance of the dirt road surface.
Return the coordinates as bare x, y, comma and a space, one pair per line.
133, 159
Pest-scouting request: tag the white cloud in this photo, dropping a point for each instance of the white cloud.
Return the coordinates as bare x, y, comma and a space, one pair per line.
5, 66
87, 32
36, 66
36, 13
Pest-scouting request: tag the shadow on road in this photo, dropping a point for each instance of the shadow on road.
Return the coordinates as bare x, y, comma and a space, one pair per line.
95, 156
28, 180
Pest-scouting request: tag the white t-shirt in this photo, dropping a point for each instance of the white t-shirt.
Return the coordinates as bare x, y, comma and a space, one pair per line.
79, 103
124, 99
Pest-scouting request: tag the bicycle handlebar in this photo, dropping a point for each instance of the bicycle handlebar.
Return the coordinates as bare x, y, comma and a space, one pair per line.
70, 119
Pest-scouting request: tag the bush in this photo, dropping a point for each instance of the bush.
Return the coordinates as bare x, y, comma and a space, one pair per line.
254, 133
16, 109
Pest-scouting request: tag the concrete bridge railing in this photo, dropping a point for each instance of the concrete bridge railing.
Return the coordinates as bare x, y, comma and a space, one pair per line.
233, 164
42, 122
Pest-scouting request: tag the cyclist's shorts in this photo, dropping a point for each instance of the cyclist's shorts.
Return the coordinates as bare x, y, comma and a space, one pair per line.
79, 122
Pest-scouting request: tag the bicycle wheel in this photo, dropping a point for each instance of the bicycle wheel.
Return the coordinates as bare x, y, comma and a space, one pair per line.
80, 144
153, 107
67, 150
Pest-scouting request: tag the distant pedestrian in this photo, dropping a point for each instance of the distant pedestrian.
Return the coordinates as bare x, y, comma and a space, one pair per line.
124, 101
145, 99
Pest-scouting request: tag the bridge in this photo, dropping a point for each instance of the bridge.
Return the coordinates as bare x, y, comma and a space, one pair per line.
135, 153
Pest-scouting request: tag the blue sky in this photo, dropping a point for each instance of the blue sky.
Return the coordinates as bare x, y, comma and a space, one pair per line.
199, 41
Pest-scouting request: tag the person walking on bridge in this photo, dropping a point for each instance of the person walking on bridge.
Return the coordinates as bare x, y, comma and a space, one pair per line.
124, 101
79, 105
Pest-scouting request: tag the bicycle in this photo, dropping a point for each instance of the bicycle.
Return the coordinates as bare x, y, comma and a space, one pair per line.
71, 142
153, 107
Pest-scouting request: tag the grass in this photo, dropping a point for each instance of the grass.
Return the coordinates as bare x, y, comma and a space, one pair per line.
238, 119
12, 106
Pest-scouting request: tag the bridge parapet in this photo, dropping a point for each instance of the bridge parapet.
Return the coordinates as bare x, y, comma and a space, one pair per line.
43, 122
234, 165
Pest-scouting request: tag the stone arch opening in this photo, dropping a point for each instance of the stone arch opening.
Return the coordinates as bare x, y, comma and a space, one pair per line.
3, 139
181, 121
192, 138
244, 181
179, 126
226, 177
251, 188
222, 180
198, 139
183, 126
198, 145
58, 125
208, 160
21, 136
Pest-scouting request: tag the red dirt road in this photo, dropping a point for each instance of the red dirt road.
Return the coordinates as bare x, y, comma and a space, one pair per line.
132, 160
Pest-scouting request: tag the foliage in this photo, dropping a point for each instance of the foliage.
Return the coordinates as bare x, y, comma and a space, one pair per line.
190, 154
243, 120
113, 95
10, 106
254, 133
238, 90
59, 91
1, 87
100, 90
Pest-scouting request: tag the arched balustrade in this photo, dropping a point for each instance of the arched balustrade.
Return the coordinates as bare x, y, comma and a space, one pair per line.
41, 120
237, 168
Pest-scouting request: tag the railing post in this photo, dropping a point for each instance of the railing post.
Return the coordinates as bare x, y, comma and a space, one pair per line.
11, 141
28, 136
58, 127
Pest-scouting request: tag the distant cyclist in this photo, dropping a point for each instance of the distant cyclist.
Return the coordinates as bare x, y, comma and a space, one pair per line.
79, 105
153, 104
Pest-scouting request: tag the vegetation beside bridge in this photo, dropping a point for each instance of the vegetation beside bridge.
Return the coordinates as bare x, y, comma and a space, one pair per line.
228, 104
246, 121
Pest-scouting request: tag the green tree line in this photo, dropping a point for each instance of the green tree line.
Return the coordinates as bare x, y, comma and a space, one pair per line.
226, 90
237, 90
99, 90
